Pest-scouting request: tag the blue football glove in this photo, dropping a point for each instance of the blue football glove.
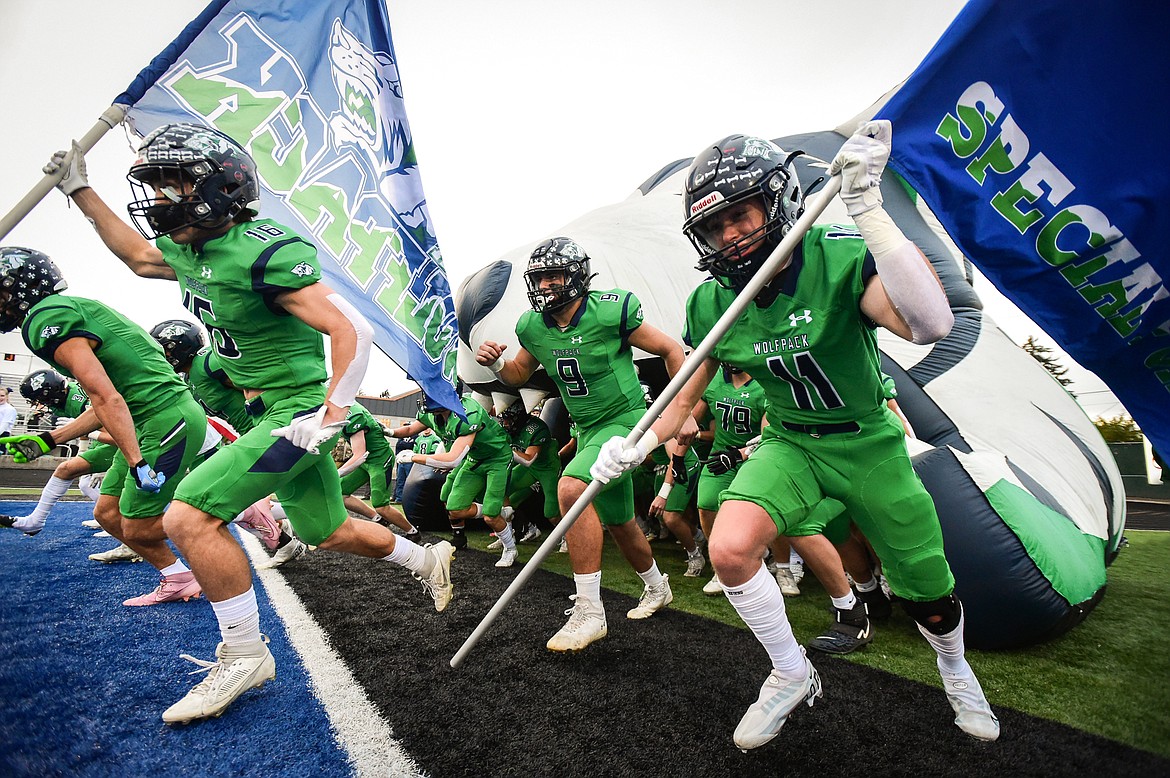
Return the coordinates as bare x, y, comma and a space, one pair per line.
146, 479
26, 448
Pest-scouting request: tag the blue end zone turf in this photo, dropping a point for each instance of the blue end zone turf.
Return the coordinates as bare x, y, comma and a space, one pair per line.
84, 680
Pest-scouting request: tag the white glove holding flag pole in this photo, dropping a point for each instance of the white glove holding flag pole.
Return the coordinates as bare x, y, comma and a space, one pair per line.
860, 163
404, 458
309, 431
70, 166
615, 458
906, 275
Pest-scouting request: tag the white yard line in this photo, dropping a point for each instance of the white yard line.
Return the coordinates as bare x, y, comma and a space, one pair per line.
357, 725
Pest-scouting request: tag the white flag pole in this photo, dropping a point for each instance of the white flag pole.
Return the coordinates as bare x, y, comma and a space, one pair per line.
812, 212
112, 117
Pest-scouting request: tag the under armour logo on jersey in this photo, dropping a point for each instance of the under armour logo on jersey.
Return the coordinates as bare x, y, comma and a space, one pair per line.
205, 272
577, 339
302, 269
805, 317
49, 332
744, 395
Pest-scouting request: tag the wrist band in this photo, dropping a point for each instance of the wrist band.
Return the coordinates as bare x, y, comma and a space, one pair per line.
664, 492
498, 365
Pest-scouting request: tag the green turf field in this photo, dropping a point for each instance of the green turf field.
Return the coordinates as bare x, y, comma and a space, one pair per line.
1109, 675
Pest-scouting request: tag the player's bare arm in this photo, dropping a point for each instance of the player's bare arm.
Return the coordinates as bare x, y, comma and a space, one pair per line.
76, 355
515, 371
125, 242
349, 334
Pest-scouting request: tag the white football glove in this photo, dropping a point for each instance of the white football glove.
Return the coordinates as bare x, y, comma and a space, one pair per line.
860, 163
615, 459
70, 165
309, 432
404, 457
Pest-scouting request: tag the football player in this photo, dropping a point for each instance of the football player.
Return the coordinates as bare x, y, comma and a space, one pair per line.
583, 339
134, 396
370, 463
255, 286
477, 457
809, 339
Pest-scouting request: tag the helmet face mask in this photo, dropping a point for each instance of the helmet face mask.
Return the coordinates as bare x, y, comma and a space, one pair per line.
737, 170
181, 340
203, 179
27, 276
557, 255
45, 387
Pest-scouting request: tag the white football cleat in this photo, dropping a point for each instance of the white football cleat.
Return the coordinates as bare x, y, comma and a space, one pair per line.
236, 669
654, 599
779, 696
586, 624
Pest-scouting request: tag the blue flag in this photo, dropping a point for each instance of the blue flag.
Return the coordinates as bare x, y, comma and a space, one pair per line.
1032, 130
312, 91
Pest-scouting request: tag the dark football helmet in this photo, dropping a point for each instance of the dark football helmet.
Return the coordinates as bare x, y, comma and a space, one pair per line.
45, 387
26, 277
735, 169
514, 416
221, 175
181, 340
557, 255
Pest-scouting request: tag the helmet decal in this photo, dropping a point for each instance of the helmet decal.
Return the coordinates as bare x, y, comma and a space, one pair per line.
205, 177
739, 169
557, 255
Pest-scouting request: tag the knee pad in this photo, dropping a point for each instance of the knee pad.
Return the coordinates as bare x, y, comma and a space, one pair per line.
949, 608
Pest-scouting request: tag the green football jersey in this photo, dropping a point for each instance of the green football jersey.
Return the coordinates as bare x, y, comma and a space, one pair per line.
590, 361
76, 401
491, 442
212, 388
813, 350
536, 433
132, 359
231, 283
426, 444
361, 420
737, 411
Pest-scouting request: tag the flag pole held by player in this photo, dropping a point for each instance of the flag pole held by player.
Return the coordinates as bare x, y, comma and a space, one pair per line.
812, 212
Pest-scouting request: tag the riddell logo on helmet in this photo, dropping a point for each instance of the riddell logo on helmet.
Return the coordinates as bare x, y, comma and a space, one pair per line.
706, 202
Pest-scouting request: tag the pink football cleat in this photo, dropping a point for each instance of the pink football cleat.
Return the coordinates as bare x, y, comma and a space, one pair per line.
171, 588
257, 519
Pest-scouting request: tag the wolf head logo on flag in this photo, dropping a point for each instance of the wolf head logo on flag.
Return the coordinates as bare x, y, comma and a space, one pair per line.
318, 104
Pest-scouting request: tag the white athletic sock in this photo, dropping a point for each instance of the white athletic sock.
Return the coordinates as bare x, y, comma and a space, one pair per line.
239, 618
589, 586
177, 567
761, 606
506, 536
868, 586
794, 558
54, 490
950, 649
844, 603
651, 577
412, 556
507, 512
478, 509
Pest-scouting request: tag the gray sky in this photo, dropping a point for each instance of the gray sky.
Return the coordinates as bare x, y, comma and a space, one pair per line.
525, 113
